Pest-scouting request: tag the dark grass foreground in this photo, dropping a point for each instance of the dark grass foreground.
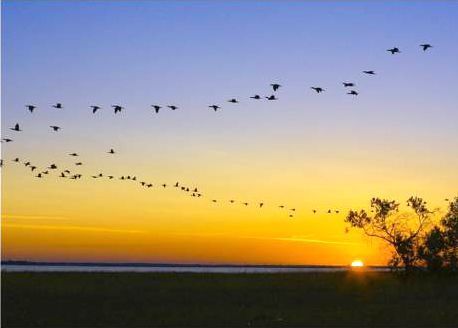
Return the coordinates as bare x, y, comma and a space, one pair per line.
236, 300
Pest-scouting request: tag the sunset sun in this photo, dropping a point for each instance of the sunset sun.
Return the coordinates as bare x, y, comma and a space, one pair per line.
357, 264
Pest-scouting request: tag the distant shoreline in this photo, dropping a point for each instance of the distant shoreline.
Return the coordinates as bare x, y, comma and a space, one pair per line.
177, 265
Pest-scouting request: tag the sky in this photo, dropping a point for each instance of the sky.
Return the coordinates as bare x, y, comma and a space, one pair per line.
306, 151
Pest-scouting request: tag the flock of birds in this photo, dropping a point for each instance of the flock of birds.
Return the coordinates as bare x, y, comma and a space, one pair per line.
192, 191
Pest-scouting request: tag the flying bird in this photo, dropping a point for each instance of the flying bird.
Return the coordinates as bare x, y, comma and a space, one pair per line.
16, 160
78, 164
353, 93
55, 128
176, 185
394, 50
95, 109
117, 108
30, 108
425, 46
16, 127
275, 86
156, 108
272, 97
261, 204
73, 154
7, 140
317, 89
369, 72
111, 151
52, 167
348, 84
233, 100
172, 107
215, 107
257, 97
58, 106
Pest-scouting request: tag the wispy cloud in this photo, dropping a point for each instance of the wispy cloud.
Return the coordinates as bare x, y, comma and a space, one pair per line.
82, 228
316, 241
32, 217
300, 239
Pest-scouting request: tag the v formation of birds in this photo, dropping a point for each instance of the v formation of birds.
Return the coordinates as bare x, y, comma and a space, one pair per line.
192, 191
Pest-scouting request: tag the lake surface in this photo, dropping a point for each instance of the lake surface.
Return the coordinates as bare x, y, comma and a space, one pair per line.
190, 269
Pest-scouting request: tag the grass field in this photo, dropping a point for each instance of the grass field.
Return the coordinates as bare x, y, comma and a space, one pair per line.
235, 300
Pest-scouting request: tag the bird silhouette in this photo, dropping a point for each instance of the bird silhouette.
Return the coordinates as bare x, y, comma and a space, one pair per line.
27, 164
73, 154
30, 108
257, 97
110, 177
317, 89
156, 108
164, 185
55, 128
33, 168
117, 108
95, 109
215, 107
62, 175
172, 107
329, 211
16, 127
231, 201
261, 204
78, 163
314, 211
16, 160
214, 200
111, 151
246, 204
272, 97
176, 185
352, 92
425, 46
58, 106
52, 167
348, 84
7, 140
369, 72
39, 175
394, 50
233, 100
275, 86
281, 206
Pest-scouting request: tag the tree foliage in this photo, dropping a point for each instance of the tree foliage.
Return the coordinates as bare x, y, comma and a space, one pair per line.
414, 241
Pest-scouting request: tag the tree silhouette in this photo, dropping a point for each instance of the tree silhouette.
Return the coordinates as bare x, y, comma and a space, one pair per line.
401, 234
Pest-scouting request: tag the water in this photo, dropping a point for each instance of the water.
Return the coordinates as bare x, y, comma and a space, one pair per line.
189, 269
